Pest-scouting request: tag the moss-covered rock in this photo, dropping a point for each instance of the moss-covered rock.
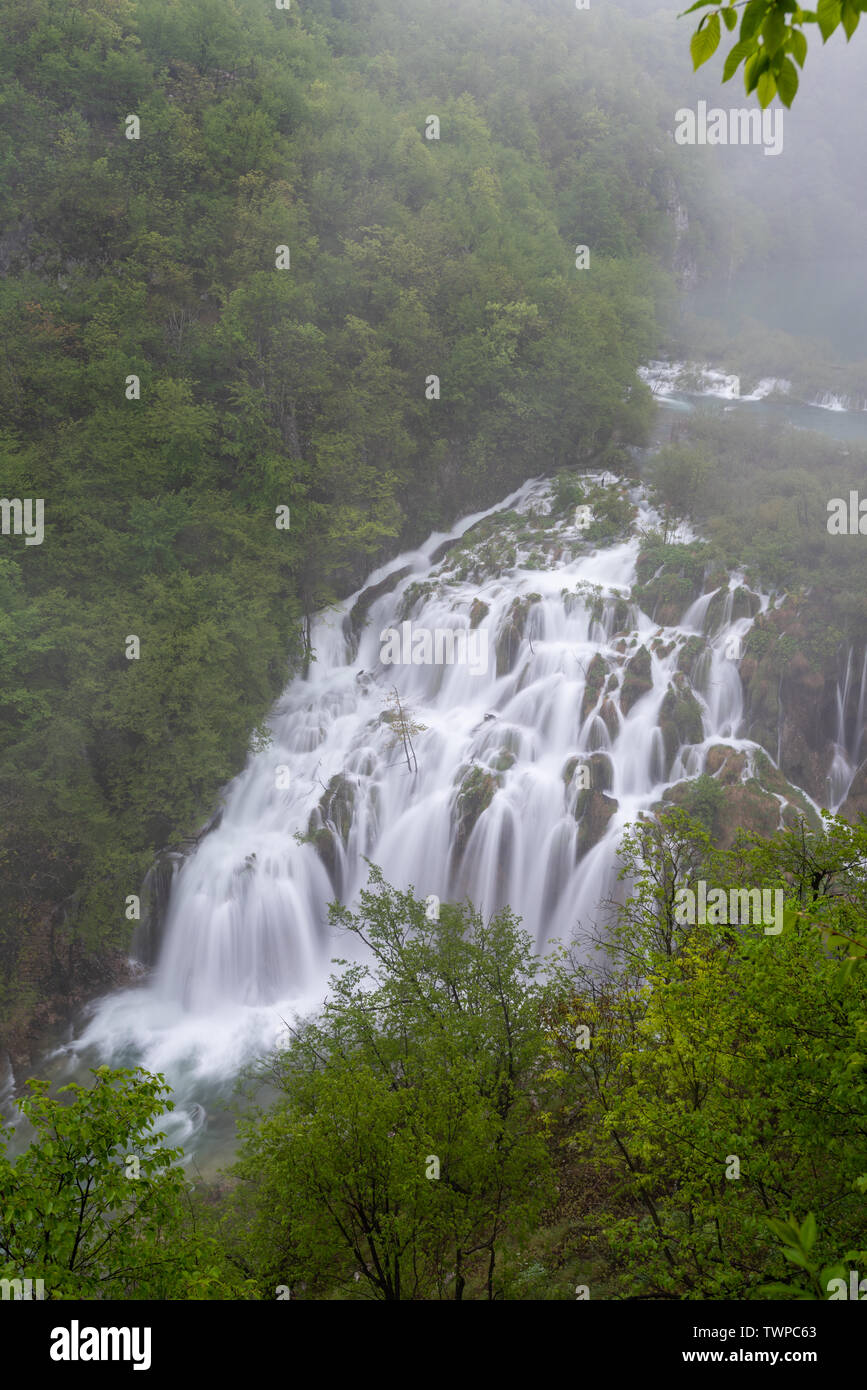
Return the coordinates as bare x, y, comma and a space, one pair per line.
791, 695
596, 674
749, 792
727, 765
636, 680
600, 771
692, 649
679, 718
359, 610
337, 805
593, 814
511, 633
478, 611
477, 790
855, 805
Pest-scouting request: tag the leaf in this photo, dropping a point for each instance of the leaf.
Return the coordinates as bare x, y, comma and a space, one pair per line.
737, 55
798, 47
851, 15
766, 88
774, 31
832, 1272
699, 5
808, 1231
730, 19
705, 41
786, 1230
797, 1257
784, 1291
753, 18
787, 81
828, 14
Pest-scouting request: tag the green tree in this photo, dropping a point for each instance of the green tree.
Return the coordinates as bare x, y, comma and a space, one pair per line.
403, 1144
95, 1206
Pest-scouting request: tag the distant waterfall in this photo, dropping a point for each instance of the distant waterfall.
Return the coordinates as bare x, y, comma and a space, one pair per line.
493, 812
848, 734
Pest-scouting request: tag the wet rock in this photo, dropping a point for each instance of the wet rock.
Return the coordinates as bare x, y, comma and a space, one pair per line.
692, 649
855, 805
511, 633
478, 611
321, 837
358, 612
610, 717
637, 679
596, 674
337, 805
679, 718
727, 765
478, 789
790, 697
593, 813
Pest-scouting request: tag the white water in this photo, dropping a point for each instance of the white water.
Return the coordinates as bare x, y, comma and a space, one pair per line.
676, 379
246, 944
847, 742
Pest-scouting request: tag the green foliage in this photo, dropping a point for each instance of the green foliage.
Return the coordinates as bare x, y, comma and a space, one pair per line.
771, 40
704, 800
263, 388
763, 506
96, 1207
724, 1087
424, 1056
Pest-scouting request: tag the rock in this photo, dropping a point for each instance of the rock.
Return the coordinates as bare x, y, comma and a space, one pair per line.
679, 718
337, 805
478, 611
478, 789
596, 673
358, 612
593, 813
855, 805
511, 633
610, 717
322, 839
746, 802
637, 680
727, 765
600, 770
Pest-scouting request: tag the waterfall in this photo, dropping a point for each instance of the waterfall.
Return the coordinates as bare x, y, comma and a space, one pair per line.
847, 737
576, 678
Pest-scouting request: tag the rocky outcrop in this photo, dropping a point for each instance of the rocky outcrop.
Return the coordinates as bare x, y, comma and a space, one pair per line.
855, 805
636, 679
790, 697
357, 616
597, 672
477, 790
679, 718
511, 633
478, 611
741, 792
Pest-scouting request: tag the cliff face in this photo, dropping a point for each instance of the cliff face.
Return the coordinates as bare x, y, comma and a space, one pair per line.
800, 705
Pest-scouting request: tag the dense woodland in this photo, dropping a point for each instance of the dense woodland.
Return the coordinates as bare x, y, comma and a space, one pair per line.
263, 387
561, 1167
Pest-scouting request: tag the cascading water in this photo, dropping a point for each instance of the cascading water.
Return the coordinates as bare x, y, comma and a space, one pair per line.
494, 810
848, 734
